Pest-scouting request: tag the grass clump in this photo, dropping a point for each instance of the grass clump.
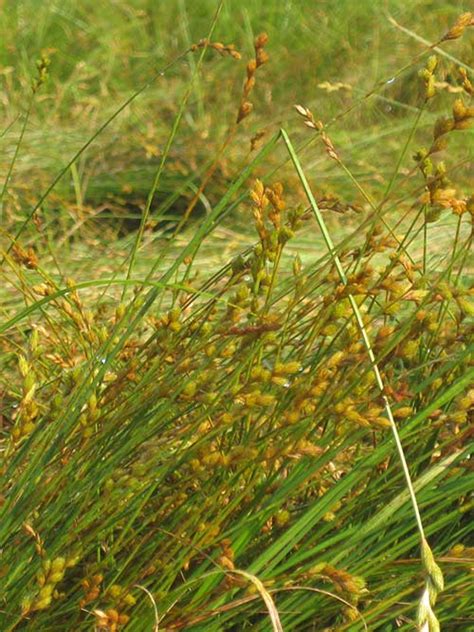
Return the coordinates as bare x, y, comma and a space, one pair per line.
203, 445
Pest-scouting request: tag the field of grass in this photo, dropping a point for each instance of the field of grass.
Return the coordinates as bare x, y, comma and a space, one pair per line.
237, 316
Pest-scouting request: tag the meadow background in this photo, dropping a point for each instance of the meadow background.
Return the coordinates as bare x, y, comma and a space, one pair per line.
192, 432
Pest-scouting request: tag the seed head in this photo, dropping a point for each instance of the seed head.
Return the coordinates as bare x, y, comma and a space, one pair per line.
458, 28
245, 109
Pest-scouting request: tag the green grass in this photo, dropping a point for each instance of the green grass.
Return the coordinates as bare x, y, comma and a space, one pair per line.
204, 420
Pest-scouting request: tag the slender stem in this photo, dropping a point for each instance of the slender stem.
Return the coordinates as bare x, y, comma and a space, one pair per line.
17, 149
360, 323
413, 129
425, 241
428, 44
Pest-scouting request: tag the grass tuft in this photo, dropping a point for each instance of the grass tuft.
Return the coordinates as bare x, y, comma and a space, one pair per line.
207, 359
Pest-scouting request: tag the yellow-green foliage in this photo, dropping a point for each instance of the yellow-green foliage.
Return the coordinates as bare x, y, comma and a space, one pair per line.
180, 442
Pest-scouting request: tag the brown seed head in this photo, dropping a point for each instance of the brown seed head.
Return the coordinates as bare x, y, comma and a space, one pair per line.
251, 68
261, 57
458, 28
222, 49
245, 108
248, 86
466, 84
261, 41
27, 258
331, 150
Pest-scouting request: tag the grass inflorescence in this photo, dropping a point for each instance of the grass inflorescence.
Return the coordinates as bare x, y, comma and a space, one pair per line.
259, 418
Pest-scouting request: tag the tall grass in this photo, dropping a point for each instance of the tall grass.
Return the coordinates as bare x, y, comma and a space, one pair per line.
197, 444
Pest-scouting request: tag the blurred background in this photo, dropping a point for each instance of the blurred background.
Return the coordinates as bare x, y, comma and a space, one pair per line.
326, 56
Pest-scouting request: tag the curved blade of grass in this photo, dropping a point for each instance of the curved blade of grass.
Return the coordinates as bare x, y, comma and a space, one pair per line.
430, 567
